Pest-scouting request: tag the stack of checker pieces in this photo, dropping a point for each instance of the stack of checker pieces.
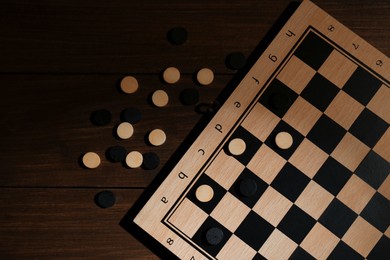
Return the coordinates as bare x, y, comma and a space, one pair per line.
327, 196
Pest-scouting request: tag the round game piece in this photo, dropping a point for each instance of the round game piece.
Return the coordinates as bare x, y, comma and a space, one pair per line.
101, 117
134, 159
150, 161
160, 98
131, 115
105, 199
117, 153
91, 160
171, 75
177, 35
214, 236
205, 76
189, 96
283, 140
125, 130
204, 193
247, 187
157, 137
237, 146
279, 100
235, 60
129, 84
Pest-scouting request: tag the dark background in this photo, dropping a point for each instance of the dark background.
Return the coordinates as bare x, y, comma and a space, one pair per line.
61, 60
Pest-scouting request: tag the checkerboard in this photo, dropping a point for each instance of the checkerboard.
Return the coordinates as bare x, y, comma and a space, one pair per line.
326, 196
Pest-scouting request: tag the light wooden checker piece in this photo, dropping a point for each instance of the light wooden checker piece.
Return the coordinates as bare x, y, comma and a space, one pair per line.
313, 114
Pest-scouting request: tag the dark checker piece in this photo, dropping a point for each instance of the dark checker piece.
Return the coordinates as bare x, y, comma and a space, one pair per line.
313, 50
117, 153
189, 96
377, 212
337, 218
278, 98
343, 251
254, 230
101, 117
214, 236
177, 35
105, 199
248, 188
332, 176
320, 92
362, 86
235, 60
296, 224
131, 115
381, 249
373, 169
290, 182
368, 128
200, 237
151, 161
326, 134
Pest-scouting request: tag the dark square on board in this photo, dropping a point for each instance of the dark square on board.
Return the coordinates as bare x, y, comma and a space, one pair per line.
313, 50
301, 254
362, 86
200, 236
219, 192
260, 186
258, 257
377, 212
369, 128
332, 176
278, 98
252, 145
254, 230
373, 169
296, 224
290, 182
326, 134
296, 136
337, 218
343, 251
381, 249
320, 92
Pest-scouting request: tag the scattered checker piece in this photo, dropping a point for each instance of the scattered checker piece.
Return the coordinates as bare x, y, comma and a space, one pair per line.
295, 164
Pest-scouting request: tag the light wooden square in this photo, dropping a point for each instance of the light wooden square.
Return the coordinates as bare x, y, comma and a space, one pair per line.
380, 103
362, 236
260, 122
337, 68
228, 165
308, 158
277, 246
320, 242
235, 248
302, 116
383, 146
387, 233
350, 152
296, 74
272, 206
230, 212
188, 217
356, 194
344, 109
384, 189
266, 164
314, 199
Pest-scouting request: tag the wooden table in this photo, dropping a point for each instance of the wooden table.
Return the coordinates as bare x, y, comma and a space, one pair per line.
62, 60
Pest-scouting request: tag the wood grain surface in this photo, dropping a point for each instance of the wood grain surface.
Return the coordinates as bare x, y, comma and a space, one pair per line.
62, 60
